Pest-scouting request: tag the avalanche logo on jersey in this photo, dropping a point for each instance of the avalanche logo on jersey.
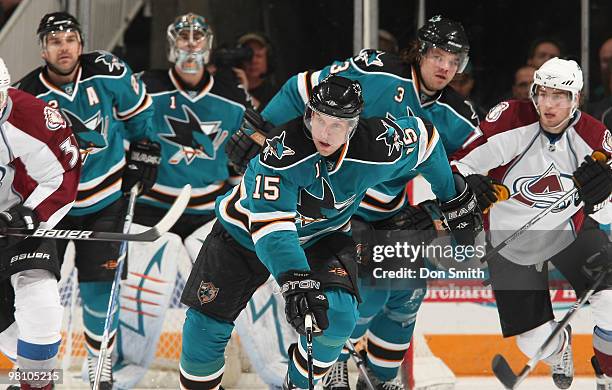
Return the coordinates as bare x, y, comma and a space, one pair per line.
53, 119
396, 138
194, 138
277, 148
90, 133
370, 57
110, 61
607, 141
313, 208
543, 190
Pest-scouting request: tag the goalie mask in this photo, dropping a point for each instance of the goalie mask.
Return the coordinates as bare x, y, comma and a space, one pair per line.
335, 103
190, 40
447, 35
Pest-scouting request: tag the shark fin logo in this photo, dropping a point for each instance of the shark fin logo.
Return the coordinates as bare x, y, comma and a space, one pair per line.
91, 133
276, 147
193, 138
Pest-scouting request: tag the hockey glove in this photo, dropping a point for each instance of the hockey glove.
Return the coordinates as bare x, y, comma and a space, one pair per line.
415, 219
19, 217
143, 159
594, 181
487, 191
303, 294
461, 214
598, 263
242, 146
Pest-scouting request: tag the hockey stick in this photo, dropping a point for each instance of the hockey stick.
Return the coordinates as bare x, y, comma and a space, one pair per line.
172, 215
500, 365
514, 236
308, 327
112, 301
359, 363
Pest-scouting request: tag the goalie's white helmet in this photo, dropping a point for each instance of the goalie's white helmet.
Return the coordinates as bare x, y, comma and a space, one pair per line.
557, 73
5, 83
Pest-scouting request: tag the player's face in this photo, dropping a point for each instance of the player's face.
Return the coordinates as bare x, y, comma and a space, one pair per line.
438, 67
62, 50
329, 133
554, 105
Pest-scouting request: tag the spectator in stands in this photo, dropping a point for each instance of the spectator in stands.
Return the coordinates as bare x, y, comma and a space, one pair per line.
602, 91
542, 50
261, 84
602, 109
463, 84
387, 42
523, 78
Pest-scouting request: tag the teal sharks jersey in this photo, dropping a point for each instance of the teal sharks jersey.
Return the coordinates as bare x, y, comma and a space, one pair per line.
104, 104
390, 89
291, 196
192, 127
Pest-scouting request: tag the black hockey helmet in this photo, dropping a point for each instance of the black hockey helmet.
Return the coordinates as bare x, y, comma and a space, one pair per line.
337, 96
447, 35
57, 21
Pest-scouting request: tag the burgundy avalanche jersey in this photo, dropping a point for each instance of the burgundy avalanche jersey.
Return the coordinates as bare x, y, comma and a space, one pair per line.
537, 168
39, 158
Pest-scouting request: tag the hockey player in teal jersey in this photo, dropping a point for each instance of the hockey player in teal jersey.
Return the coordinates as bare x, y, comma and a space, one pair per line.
414, 83
195, 114
290, 217
103, 101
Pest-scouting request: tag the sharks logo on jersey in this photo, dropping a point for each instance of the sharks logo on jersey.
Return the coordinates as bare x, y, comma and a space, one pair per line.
541, 191
370, 57
109, 60
396, 138
313, 208
276, 147
193, 138
91, 133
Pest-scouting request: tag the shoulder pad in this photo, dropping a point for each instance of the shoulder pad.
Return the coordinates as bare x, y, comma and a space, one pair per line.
459, 104
594, 132
377, 140
508, 115
287, 145
228, 86
370, 60
101, 63
31, 83
157, 80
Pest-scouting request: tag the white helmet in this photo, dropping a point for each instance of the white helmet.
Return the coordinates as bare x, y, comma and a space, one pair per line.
557, 73
5, 83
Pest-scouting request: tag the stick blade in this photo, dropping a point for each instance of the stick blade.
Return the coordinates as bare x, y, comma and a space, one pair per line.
169, 219
503, 372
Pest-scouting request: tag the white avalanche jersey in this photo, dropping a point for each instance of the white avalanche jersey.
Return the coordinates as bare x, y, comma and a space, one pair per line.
537, 168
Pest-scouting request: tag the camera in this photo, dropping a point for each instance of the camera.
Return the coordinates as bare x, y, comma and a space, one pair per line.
231, 57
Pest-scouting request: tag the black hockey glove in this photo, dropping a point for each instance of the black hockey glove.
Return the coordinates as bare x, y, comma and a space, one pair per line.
304, 294
143, 159
487, 191
415, 219
594, 181
598, 263
461, 214
241, 147
19, 217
